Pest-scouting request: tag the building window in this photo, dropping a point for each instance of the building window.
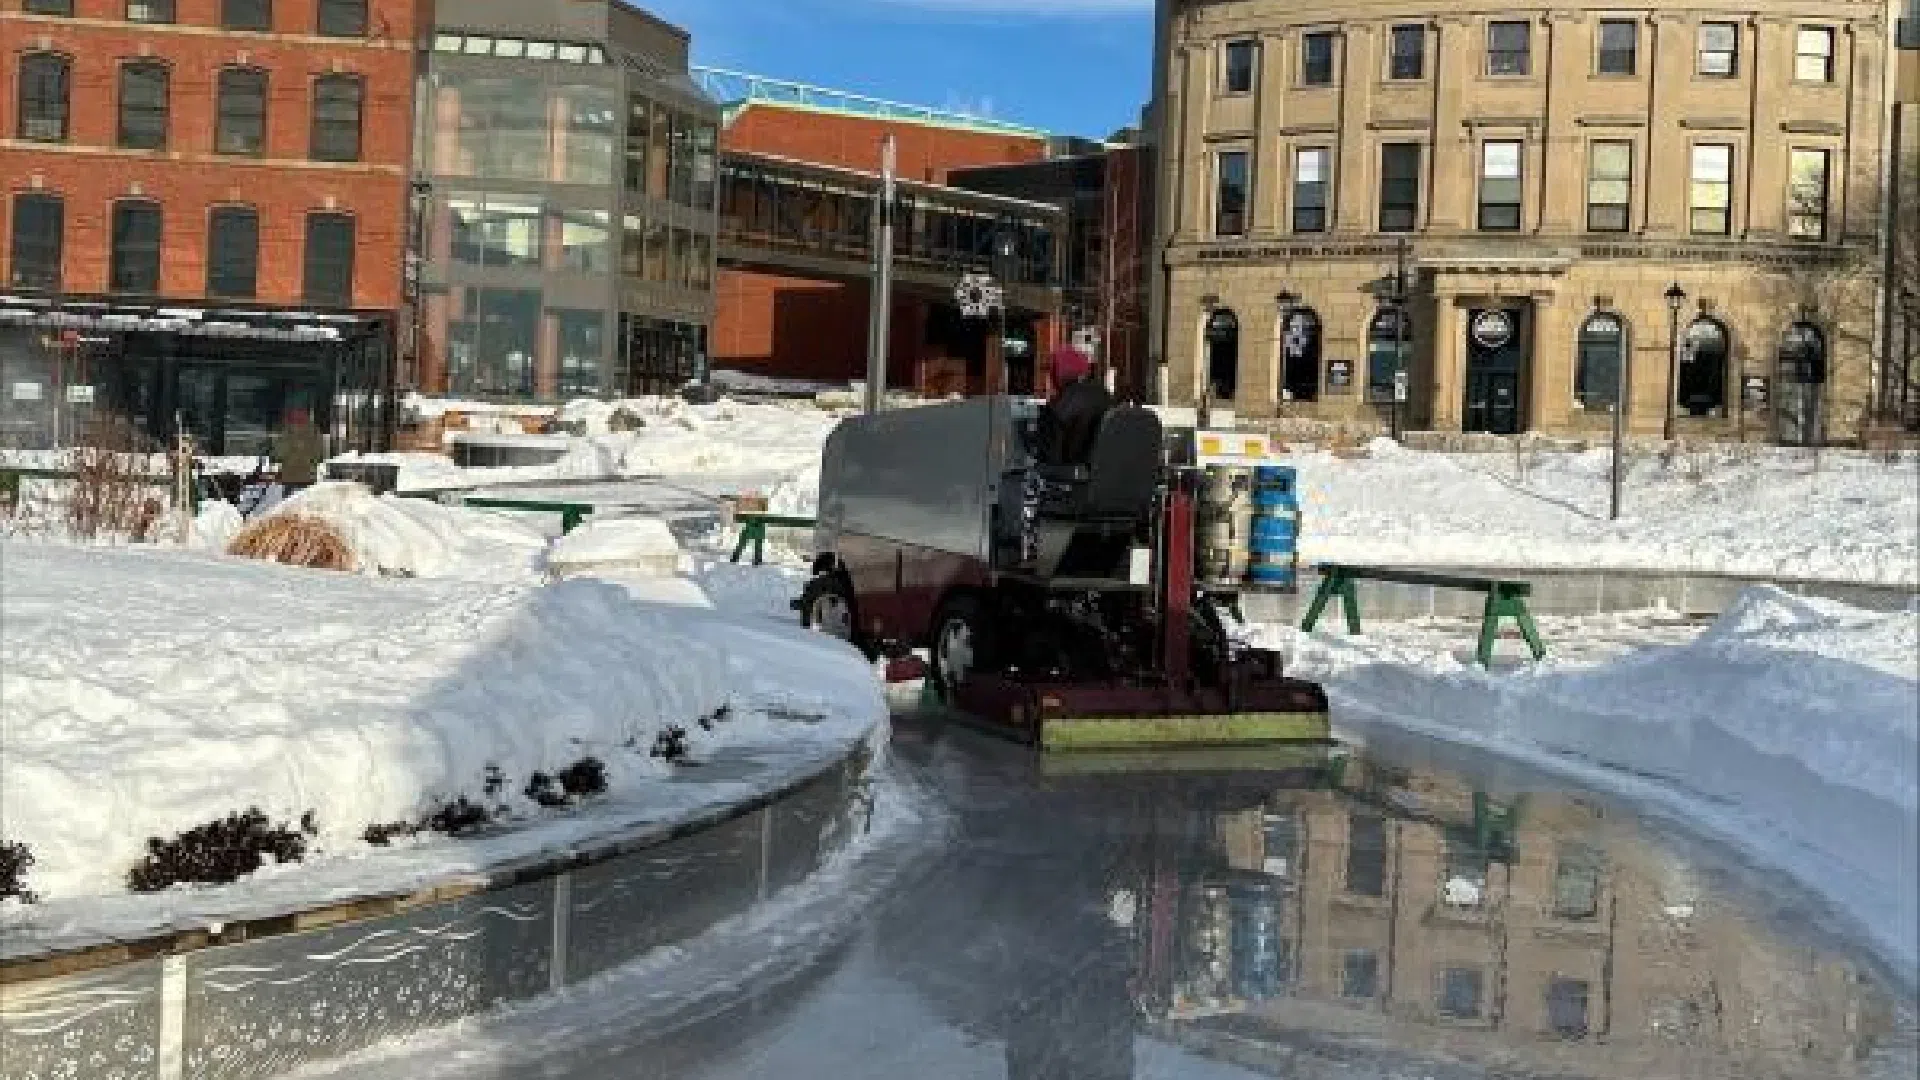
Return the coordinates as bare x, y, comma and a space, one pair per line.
342, 18
1719, 50
143, 105
1609, 186
150, 11
336, 118
1509, 48
496, 230
706, 169
233, 252
1386, 337
1230, 199
1813, 54
1567, 1008
1238, 66
582, 339
1310, 190
328, 279
1360, 975
1500, 186
49, 7
592, 130
39, 230
1408, 56
1462, 990
135, 260
1399, 186
701, 263
1711, 196
246, 14
660, 164
503, 132
46, 81
1366, 855
586, 241
1596, 379
1316, 58
1300, 355
491, 348
1619, 47
1576, 873
1463, 880
1807, 195
680, 173
1705, 350
242, 122
1223, 354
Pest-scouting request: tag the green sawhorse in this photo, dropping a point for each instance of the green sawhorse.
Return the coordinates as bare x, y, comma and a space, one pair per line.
753, 530
1505, 599
571, 514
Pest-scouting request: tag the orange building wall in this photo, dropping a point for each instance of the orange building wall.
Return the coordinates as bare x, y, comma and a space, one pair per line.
925, 153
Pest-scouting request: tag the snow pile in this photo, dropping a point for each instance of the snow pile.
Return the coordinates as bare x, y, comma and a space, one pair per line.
417, 538
148, 692
619, 544
1764, 512
214, 526
1792, 728
798, 495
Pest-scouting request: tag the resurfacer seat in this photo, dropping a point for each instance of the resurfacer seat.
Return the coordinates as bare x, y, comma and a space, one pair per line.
1119, 479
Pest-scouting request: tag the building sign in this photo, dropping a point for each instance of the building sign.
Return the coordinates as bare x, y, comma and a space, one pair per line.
80, 394
978, 296
1339, 376
1402, 387
1603, 323
1492, 329
26, 391
1754, 392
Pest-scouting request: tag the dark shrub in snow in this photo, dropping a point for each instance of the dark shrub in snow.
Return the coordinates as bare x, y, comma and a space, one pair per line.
585, 777
671, 744
218, 852
14, 860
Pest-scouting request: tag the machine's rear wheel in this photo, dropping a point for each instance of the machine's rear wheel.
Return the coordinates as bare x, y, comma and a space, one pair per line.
962, 643
827, 605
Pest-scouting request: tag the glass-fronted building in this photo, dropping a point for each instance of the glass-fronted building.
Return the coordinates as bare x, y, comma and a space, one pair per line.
565, 202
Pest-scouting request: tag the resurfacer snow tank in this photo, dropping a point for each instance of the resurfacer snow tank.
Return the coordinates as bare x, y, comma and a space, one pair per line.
1103, 640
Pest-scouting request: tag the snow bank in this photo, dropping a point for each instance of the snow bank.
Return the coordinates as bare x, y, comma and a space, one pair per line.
417, 538
148, 692
1792, 727
1838, 516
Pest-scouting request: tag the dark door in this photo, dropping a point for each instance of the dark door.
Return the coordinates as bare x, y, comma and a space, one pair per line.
1496, 358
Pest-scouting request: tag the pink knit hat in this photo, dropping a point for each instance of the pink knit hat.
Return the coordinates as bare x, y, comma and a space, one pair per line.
1069, 365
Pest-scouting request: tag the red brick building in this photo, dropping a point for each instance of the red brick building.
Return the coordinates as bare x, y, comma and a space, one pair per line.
252, 154
814, 326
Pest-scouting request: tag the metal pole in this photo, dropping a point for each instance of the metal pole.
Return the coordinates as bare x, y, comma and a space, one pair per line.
881, 294
1621, 394
1673, 367
1399, 335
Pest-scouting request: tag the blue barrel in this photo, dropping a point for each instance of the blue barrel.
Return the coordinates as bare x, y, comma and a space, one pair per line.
1276, 528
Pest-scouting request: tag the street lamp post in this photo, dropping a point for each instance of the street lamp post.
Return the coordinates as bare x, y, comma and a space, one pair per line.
1399, 297
1005, 268
1622, 391
1676, 298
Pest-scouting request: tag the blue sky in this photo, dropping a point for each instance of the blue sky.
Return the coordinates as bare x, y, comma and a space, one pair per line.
1074, 67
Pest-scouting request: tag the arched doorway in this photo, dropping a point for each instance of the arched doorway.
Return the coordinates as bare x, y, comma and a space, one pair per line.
1702, 387
1497, 358
1603, 349
1300, 355
1802, 379
1223, 354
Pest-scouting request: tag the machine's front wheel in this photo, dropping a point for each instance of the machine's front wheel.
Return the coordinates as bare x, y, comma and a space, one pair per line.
827, 605
962, 643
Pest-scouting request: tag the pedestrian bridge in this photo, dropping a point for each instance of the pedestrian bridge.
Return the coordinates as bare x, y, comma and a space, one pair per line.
816, 221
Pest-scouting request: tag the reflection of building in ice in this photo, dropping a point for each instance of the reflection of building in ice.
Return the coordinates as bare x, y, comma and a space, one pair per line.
1404, 911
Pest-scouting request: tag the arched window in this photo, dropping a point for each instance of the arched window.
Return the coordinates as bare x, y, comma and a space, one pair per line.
246, 14
134, 265
39, 233
233, 252
1223, 354
342, 18
242, 121
1702, 387
1603, 349
336, 118
46, 80
329, 260
143, 105
1385, 339
1300, 355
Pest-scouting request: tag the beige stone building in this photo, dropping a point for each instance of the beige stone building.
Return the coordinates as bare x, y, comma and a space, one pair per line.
1548, 174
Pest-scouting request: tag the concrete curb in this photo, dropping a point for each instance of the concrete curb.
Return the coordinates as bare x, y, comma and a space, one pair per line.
1573, 592
260, 998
